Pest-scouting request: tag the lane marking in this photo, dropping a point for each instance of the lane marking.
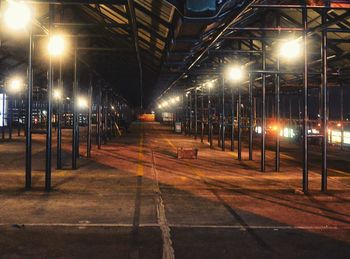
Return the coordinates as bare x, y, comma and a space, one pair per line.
168, 250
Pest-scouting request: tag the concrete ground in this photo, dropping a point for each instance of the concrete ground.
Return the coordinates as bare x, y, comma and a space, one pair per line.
135, 199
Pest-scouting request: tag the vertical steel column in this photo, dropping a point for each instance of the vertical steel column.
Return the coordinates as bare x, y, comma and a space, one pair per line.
195, 113
49, 111
223, 116
3, 115
9, 115
290, 111
263, 110
75, 113
239, 125
251, 109
210, 124
19, 108
99, 121
278, 115
232, 120
324, 101
184, 113
305, 102
342, 115
29, 107
59, 115
190, 114
202, 116
88, 143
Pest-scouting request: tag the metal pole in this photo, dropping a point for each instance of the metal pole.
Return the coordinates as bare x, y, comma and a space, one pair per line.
223, 116
99, 121
49, 112
59, 115
305, 115
342, 115
88, 148
263, 117
75, 114
210, 124
28, 174
324, 103
251, 110
202, 116
278, 126
195, 113
19, 108
190, 114
10, 115
239, 112
232, 120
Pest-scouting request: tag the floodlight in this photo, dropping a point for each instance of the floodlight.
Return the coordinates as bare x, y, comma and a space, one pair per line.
177, 98
160, 106
82, 102
15, 85
17, 16
56, 45
57, 94
235, 73
290, 49
173, 100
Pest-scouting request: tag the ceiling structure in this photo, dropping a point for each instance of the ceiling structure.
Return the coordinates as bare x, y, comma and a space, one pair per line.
144, 49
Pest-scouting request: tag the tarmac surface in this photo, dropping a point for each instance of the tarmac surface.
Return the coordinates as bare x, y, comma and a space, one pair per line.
135, 199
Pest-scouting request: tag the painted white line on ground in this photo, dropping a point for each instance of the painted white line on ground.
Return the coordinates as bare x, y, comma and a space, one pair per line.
168, 250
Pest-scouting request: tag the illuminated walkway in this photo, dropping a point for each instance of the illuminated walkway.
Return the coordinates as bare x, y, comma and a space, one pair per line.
134, 199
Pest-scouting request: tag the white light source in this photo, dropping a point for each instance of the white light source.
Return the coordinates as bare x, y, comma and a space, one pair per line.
17, 16
235, 73
15, 85
112, 107
173, 100
177, 98
82, 102
290, 49
57, 94
210, 84
165, 104
56, 45
160, 106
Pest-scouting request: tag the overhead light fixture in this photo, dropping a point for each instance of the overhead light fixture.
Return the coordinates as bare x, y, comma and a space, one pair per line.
57, 94
82, 102
235, 73
17, 15
290, 49
15, 85
56, 45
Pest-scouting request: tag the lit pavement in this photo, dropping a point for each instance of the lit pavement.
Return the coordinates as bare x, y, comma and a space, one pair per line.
134, 199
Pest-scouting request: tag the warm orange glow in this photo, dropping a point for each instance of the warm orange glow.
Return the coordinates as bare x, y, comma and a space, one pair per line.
338, 125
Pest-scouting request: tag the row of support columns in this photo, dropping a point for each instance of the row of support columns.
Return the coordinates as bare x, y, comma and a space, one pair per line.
236, 111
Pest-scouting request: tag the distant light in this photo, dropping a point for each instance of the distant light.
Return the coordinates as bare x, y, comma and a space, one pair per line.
112, 107
235, 73
15, 85
187, 93
173, 100
153, 112
160, 106
339, 125
210, 84
68, 98
56, 45
82, 102
290, 49
44, 112
177, 98
57, 94
17, 16
165, 104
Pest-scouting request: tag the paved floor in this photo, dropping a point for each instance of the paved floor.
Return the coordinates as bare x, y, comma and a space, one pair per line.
134, 199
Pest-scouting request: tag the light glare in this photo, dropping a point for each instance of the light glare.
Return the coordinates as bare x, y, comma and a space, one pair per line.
235, 73
57, 94
15, 85
82, 102
290, 49
17, 16
56, 45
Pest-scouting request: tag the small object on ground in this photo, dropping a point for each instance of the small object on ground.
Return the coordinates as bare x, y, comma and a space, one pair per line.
18, 225
190, 153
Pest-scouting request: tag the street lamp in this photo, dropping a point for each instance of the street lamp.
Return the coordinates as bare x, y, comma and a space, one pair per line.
56, 45
290, 49
235, 73
17, 15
